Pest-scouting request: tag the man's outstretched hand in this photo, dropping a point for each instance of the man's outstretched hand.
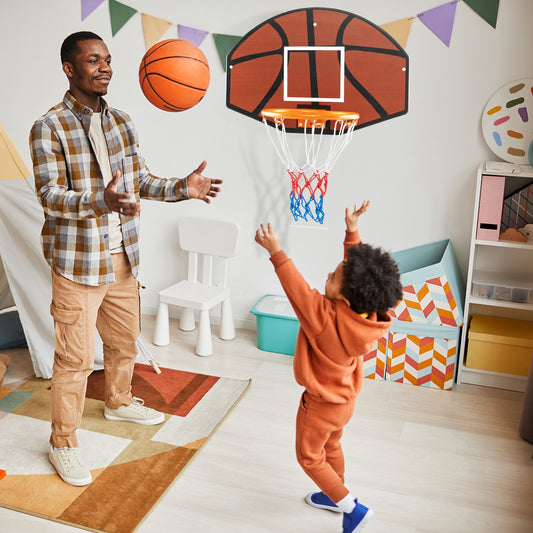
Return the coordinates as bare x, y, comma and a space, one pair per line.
200, 187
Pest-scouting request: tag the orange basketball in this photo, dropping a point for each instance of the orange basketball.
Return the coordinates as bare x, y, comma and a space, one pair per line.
174, 75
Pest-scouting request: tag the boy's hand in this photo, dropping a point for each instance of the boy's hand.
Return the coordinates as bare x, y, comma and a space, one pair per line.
268, 239
353, 217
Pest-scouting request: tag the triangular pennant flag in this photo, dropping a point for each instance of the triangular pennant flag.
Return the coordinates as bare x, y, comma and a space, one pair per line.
486, 9
12, 166
440, 20
120, 14
399, 30
153, 29
192, 35
224, 44
88, 6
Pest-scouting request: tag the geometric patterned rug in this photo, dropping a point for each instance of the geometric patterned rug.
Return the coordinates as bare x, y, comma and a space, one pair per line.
132, 465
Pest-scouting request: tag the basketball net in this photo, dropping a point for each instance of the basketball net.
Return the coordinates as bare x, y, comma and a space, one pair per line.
309, 180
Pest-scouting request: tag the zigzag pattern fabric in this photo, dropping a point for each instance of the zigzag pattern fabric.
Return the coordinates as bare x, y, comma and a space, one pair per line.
423, 361
429, 302
375, 362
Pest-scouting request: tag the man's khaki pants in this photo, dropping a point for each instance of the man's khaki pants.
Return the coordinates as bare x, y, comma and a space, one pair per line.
77, 309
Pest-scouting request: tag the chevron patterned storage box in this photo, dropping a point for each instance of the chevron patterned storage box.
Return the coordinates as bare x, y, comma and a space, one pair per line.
422, 345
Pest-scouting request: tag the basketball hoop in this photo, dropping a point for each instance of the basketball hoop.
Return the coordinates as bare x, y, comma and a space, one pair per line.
309, 181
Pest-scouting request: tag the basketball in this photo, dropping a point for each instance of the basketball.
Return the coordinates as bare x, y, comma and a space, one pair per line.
174, 75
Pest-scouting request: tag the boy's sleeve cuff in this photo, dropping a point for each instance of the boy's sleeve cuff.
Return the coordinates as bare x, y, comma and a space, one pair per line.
278, 258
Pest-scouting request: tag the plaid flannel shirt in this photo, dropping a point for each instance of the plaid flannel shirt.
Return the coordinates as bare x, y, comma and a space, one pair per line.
69, 183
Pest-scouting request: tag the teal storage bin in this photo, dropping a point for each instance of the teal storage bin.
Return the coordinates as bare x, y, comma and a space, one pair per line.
434, 290
277, 325
422, 344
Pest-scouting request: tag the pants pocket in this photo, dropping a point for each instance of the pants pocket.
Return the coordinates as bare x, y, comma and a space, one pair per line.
70, 333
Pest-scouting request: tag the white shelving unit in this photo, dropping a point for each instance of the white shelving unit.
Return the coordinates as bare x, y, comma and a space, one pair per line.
497, 263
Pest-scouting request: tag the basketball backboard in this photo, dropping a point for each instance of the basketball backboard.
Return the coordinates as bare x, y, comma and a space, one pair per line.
321, 59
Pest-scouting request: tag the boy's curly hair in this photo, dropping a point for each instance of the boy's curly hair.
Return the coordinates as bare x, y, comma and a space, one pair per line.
371, 279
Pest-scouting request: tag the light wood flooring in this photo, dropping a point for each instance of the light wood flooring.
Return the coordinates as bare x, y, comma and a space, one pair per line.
426, 460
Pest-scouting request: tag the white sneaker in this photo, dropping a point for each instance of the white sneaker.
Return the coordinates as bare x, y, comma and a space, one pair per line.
69, 466
135, 412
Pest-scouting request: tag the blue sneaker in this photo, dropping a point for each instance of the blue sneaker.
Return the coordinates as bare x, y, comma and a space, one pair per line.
356, 520
321, 501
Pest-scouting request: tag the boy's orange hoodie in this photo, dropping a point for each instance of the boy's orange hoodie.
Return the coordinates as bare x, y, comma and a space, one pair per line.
332, 338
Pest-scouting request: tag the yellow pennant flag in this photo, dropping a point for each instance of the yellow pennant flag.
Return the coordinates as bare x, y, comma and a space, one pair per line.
12, 167
153, 29
399, 30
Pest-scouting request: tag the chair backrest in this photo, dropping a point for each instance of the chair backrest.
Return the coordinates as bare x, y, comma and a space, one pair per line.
214, 240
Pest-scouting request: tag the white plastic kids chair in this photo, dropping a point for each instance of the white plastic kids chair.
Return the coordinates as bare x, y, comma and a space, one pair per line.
212, 242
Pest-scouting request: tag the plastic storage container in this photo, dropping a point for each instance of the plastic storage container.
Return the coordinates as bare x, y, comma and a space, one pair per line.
277, 325
509, 292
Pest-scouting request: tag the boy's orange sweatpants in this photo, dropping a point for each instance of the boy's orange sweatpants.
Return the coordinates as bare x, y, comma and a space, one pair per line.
319, 428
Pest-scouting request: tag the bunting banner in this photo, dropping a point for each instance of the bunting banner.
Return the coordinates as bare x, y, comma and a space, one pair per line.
224, 45
119, 14
153, 29
192, 35
399, 30
439, 20
486, 9
88, 6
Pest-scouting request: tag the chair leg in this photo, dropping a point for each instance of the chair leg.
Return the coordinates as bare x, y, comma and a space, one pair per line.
227, 328
161, 330
204, 344
187, 319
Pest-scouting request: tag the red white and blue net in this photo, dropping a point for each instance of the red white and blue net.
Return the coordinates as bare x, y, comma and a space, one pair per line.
309, 180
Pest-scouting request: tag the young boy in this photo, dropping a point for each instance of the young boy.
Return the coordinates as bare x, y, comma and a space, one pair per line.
335, 330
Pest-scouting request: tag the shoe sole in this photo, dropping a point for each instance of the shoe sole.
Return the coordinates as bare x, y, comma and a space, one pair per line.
310, 502
369, 514
73, 482
142, 422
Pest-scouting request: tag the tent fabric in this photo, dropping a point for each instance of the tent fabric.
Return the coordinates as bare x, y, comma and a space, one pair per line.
28, 274
12, 166
25, 279
6, 298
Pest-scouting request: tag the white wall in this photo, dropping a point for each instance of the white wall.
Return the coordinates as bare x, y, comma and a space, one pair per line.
418, 170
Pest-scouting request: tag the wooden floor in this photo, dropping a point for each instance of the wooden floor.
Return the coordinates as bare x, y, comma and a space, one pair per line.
425, 460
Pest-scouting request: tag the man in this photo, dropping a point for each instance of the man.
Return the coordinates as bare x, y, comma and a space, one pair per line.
90, 176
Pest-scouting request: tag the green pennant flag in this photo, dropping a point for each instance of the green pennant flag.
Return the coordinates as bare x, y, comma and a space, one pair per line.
486, 9
120, 14
224, 44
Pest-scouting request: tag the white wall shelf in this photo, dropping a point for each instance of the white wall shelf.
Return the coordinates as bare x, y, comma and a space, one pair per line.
503, 263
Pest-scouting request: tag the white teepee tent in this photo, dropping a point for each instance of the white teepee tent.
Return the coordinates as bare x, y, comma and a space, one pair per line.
25, 276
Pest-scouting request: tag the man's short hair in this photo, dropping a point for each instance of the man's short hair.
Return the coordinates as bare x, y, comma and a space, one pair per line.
371, 279
70, 48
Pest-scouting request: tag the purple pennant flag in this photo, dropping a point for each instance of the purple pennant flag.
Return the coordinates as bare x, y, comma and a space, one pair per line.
88, 6
440, 20
192, 35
